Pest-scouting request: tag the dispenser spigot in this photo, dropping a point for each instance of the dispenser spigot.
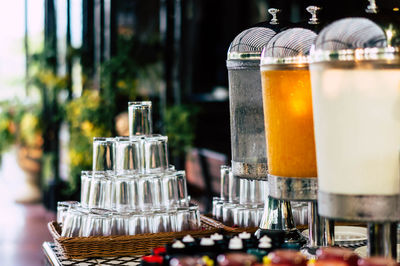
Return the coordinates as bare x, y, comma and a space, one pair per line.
372, 7
274, 12
313, 10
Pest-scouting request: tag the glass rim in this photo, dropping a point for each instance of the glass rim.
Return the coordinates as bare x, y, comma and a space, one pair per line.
356, 55
99, 212
67, 203
103, 139
140, 103
295, 61
156, 137
96, 172
127, 172
251, 56
128, 138
124, 178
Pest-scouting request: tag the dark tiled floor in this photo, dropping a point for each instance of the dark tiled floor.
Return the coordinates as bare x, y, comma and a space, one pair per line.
23, 228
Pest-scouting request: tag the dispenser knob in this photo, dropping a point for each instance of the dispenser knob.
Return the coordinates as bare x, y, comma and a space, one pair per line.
313, 10
372, 7
274, 12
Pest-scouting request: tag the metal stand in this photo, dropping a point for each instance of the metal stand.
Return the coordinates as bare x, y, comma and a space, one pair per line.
321, 230
380, 211
278, 217
382, 240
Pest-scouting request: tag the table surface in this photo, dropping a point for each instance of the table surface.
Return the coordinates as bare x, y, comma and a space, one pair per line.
56, 258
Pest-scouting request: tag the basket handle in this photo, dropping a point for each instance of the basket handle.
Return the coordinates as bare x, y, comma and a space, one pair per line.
53, 230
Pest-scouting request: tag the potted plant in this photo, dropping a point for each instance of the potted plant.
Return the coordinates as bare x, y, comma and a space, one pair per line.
20, 126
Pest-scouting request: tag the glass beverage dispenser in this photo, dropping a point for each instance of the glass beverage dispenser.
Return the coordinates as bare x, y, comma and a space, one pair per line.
249, 159
356, 101
289, 127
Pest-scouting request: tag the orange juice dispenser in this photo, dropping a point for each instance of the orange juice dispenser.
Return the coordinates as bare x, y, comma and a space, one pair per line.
288, 114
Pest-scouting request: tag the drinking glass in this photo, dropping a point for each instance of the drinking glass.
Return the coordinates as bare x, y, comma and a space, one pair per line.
140, 119
194, 217
228, 213
217, 208
163, 222
63, 207
128, 154
73, 223
182, 188
120, 223
103, 154
155, 154
169, 191
101, 191
86, 180
234, 188
98, 223
149, 188
225, 178
135, 225
182, 219
124, 194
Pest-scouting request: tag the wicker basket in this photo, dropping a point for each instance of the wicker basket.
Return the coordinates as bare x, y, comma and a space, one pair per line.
110, 246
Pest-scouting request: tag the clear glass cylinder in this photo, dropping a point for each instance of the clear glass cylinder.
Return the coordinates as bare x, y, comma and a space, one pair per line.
289, 119
103, 154
140, 119
356, 99
128, 154
247, 119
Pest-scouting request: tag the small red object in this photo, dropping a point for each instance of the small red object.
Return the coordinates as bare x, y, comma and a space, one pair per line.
377, 261
339, 254
153, 259
287, 257
159, 251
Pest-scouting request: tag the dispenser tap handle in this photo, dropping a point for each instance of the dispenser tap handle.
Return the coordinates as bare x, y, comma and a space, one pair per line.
274, 12
372, 7
313, 10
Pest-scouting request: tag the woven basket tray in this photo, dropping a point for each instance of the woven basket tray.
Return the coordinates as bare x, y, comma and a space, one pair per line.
110, 246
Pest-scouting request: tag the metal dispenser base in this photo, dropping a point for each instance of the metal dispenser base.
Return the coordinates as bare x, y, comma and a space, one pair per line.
382, 212
382, 239
254, 171
321, 230
277, 217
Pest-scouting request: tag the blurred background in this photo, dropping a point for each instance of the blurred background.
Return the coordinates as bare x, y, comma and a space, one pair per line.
69, 67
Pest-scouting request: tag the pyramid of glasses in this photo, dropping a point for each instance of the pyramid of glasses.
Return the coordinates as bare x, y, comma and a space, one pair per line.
131, 189
241, 201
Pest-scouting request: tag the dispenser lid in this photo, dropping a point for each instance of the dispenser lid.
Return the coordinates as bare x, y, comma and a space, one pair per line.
291, 46
249, 43
351, 39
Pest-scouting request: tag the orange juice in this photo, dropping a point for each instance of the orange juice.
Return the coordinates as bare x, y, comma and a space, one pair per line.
289, 122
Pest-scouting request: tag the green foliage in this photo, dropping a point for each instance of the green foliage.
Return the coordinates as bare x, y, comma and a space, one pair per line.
19, 124
88, 118
180, 123
7, 128
121, 73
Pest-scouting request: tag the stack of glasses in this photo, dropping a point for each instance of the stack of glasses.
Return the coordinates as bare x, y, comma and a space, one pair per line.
132, 189
241, 201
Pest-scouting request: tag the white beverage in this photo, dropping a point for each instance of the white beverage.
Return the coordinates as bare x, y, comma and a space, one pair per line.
357, 130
